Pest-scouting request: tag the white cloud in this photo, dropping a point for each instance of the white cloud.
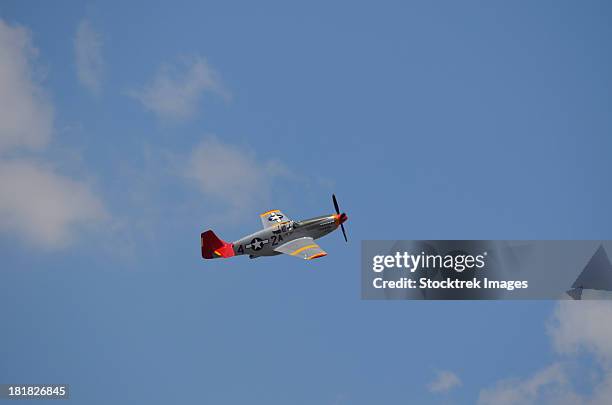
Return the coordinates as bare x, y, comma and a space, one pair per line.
175, 93
88, 53
582, 326
444, 381
36, 204
42, 206
231, 175
549, 385
26, 117
576, 327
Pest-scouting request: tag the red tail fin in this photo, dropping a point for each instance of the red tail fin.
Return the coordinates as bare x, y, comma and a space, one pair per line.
213, 247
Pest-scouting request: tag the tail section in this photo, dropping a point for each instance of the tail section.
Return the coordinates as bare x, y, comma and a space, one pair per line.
213, 247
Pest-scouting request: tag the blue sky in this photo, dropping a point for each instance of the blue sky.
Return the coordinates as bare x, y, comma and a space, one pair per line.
126, 130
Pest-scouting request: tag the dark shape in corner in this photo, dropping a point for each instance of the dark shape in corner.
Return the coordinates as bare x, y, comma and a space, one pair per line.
597, 275
575, 293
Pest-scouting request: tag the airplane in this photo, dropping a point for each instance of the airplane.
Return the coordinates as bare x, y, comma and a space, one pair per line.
279, 235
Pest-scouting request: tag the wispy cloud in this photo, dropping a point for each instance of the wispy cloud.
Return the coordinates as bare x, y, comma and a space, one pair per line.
36, 203
576, 327
174, 93
545, 386
43, 206
231, 175
444, 381
88, 54
26, 116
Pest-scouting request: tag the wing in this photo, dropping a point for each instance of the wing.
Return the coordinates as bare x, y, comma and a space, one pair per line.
305, 248
272, 218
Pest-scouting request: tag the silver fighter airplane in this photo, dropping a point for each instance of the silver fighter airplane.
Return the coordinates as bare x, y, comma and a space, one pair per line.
279, 235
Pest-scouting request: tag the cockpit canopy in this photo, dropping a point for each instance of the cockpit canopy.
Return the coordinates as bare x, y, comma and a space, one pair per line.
307, 222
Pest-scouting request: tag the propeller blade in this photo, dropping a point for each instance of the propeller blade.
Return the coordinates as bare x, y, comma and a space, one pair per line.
338, 212
336, 204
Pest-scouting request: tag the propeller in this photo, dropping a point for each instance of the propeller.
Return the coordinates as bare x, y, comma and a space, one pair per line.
342, 217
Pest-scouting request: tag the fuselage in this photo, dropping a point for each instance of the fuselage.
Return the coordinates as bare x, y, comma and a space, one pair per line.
263, 242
